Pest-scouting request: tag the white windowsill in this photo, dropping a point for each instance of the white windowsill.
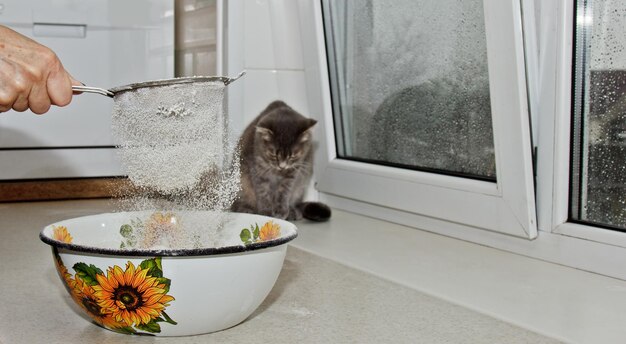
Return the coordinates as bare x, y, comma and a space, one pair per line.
557, 301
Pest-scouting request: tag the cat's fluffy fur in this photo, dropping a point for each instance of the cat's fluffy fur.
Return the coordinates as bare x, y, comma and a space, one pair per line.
276, 165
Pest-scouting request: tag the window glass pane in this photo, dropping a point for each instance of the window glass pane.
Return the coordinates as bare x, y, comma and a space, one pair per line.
599, 114
410, 85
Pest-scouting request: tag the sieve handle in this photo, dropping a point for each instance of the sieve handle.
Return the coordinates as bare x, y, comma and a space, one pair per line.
231, 80
90, 89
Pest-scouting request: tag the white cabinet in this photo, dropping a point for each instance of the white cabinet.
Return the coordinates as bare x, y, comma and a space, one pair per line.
102, 43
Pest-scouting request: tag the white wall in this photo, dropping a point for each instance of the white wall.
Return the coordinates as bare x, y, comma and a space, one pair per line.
263, 37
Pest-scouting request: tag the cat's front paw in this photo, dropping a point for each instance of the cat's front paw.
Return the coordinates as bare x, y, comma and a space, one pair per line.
266, 212
294, 214
282, 214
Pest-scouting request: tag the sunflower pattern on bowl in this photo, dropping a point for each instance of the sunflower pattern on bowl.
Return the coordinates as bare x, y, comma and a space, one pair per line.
131, 290
268, 231
128, 300
158, 228
61, 234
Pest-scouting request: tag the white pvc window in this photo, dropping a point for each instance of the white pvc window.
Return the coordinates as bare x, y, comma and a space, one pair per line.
598, 171
425, 109
581, 153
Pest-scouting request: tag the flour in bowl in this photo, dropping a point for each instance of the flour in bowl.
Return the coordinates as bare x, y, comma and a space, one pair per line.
174, 144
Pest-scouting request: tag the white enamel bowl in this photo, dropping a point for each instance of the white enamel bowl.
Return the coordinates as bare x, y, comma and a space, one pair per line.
165, 292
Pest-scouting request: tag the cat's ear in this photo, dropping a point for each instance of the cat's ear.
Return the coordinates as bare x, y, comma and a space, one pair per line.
308, 132
305, 136
310, 123
264, 133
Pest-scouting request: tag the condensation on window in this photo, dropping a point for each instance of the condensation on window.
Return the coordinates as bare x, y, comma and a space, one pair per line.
602, 175
411, 84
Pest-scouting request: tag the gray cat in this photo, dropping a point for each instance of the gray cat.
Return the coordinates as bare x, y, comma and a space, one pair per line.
277, 164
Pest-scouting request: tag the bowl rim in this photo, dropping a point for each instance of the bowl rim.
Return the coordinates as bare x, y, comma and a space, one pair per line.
182, 252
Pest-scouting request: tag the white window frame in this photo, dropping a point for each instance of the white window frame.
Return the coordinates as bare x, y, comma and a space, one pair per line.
549, 72
553, 178
507, 206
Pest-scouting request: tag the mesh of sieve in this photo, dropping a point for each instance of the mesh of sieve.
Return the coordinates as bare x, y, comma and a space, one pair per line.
171, 134
174, 145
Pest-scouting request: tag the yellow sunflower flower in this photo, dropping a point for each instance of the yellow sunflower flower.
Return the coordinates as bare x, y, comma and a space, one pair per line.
166, 221
64, 274
160, 225
60, 233
84, 295
269, 231
130, 295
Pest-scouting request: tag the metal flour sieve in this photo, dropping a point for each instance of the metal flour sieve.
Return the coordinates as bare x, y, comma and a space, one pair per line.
156, 83
170, 132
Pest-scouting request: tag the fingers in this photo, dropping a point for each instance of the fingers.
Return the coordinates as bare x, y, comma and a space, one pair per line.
31, 75
76, 83
4, 108
21, 103
59, 87
38, 100
6, 101
57, 90
22, 91
8, 93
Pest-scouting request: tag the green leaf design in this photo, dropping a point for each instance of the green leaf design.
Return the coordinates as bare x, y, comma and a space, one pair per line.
87, 273
137, 223
125, 330
127, 231
154, 267
157, 260
245, 235
152, 327
130, 239
168, 319
166, 281
256, 232
128, 243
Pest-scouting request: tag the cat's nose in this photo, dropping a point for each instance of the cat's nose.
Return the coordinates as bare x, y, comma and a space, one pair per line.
282, 165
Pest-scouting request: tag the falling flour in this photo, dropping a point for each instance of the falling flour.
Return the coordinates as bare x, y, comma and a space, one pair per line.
174, 145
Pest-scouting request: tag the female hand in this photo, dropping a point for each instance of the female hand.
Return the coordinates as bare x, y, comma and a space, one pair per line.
31, 75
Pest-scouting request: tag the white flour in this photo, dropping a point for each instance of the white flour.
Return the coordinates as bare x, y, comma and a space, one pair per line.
174, 145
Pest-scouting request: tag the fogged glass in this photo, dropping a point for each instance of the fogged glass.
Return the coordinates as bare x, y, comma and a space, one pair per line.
599, 114
410, 85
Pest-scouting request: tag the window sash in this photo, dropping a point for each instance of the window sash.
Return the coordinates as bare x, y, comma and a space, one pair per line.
507, 206
554, 149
